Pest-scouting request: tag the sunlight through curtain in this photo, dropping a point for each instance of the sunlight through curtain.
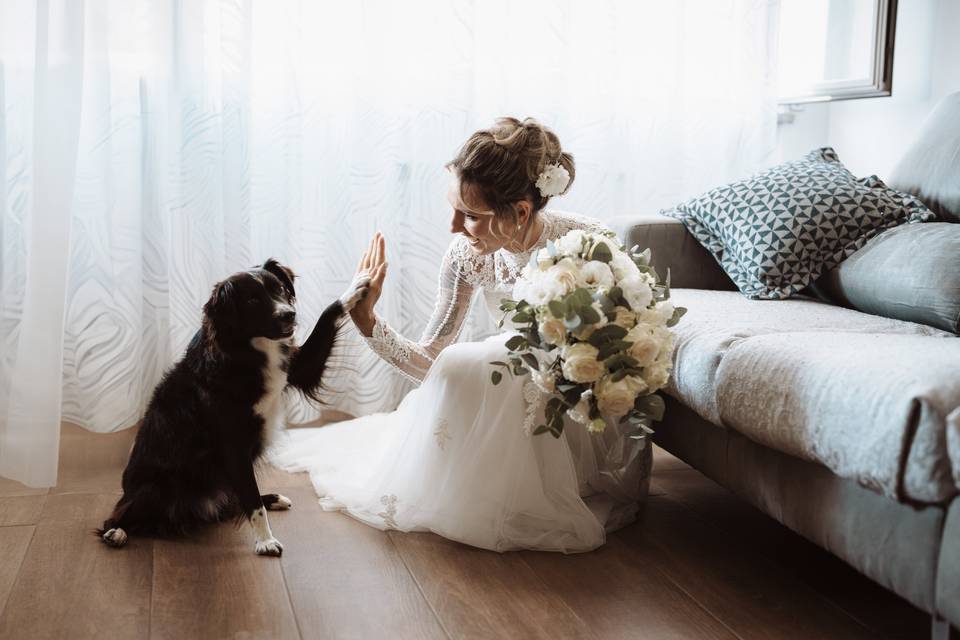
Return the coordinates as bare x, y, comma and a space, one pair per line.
150, 148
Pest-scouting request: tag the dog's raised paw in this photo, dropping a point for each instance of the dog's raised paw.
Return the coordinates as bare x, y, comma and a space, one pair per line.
115, 537
355, 293
269, 547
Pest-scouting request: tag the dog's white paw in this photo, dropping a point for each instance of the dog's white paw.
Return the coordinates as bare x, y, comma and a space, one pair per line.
355, 292
269, 547
282, 503
115, 537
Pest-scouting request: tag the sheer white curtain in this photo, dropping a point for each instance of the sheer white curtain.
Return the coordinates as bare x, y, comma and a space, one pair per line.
149, 148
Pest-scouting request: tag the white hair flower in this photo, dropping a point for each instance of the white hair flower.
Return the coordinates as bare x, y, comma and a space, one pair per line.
553, 180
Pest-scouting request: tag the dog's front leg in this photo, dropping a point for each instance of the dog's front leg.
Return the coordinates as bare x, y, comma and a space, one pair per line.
245, 485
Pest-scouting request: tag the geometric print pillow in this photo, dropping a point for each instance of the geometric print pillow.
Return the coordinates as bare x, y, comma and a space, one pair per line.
775, 232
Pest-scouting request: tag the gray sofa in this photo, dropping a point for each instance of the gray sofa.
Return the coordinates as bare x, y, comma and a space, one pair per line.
842, 425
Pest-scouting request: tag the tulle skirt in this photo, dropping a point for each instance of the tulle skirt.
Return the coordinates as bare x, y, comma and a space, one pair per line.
454, 459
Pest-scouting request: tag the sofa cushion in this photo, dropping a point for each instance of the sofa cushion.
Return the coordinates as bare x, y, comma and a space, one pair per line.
716, 321
775, 232
871, 407
910, 272
930, 166
673, 250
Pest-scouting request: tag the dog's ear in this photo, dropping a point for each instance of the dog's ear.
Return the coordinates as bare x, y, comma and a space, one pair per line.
284, 274
221, 319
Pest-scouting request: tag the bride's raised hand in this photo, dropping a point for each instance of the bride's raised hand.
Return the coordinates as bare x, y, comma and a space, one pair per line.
373, 268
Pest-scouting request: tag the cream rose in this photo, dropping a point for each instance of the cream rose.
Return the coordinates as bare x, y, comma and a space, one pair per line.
645, 347
624, 317
656, 375
615, 399
564, 275
596, 274
580, 363
552, 330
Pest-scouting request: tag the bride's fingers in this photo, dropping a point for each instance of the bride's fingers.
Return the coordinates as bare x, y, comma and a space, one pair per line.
376, 281
366, 261
383, 249
377, 251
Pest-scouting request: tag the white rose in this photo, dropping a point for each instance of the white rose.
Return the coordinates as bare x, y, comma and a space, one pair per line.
637, 292
544, 259
540, 289
581, 411
552, 331
615, 399
622, 266
664, 311
553, 180
596, 274
547, 382
645, 347
564, 274
624, 317
657, 375
571, 243
580, 363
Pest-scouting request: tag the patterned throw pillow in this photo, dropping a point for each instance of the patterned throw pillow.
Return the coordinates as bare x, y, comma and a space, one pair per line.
776, 231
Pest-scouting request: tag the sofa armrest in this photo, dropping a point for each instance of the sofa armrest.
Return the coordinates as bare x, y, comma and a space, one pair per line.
672, 247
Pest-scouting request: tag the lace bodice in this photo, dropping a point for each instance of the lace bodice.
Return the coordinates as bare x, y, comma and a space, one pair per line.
463, 274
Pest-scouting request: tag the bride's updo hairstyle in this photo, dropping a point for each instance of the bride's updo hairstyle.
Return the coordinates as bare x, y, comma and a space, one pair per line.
501, 164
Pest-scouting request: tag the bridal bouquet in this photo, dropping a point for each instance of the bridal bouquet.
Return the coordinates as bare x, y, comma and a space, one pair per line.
592, 322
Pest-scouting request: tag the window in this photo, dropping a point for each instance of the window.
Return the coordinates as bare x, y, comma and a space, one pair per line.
834, 49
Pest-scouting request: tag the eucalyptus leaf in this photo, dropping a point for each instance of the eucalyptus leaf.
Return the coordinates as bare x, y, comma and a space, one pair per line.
557, 308
601, 253
531, 361
589, 315
675, 318
515, 343
651, 406
540, 429
496, 377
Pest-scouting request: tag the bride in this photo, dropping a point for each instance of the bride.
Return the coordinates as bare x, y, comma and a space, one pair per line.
457, 456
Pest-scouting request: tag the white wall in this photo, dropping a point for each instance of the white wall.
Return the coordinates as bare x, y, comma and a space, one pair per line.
871, 134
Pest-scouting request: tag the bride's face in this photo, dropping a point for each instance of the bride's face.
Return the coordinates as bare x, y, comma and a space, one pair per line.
484, 231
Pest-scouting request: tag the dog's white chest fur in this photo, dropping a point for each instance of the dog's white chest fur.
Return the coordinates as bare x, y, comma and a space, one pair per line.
270, 405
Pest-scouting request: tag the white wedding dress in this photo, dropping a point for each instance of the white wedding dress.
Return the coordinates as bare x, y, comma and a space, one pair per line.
457, 457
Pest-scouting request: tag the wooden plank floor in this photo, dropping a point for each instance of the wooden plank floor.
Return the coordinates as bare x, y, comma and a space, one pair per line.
699, 564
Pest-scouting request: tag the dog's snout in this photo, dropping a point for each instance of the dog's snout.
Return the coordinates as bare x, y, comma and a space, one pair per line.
286, 316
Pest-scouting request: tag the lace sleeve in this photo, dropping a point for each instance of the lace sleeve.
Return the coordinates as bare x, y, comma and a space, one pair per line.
459, 273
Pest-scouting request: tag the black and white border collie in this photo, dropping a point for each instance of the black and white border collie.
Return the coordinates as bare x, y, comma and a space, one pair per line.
212, 415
